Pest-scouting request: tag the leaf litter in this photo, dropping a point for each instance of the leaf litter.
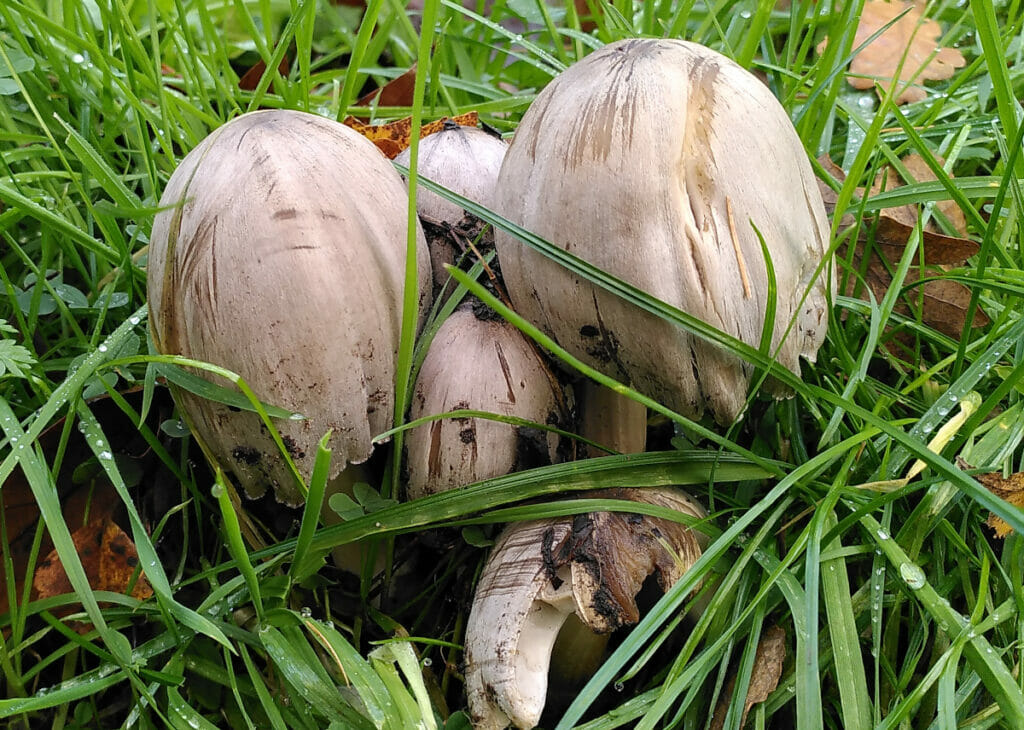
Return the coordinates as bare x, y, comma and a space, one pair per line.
905, 54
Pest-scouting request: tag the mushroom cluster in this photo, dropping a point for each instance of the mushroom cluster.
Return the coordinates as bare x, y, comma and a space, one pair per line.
659, 161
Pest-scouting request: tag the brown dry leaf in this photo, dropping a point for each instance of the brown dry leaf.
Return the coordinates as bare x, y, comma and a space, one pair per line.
108, 556
1009, 489
911, 41
764, 678
397, 92
944, 303
251, 78
83, 501
394, 137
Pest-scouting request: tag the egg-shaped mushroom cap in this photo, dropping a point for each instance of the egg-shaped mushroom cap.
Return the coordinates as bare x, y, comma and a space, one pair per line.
661, 162
280, 254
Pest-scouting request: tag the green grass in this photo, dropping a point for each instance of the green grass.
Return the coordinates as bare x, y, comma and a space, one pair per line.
900, 608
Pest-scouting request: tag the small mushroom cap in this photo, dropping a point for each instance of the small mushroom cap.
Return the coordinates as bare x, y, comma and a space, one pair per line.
280, 255
655, 160
481, 365
466, 160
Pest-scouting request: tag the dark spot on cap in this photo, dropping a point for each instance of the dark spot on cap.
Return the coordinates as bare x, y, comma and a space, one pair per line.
246, 455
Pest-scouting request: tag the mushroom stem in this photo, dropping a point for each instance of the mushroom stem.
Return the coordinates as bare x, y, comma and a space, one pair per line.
610, 419
616, 422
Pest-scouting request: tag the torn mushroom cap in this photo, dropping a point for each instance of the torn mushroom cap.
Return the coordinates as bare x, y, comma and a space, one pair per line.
280, 254
483, 364
654, 160
466, 160
541, 572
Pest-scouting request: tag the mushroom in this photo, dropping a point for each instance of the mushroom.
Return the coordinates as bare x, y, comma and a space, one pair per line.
479, 362
280, 254
663, 162
545, 573
466, 160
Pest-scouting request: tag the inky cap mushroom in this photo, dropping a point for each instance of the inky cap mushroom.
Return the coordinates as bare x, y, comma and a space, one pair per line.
655, 160
466, 160
541, 573
280, 255
481, 364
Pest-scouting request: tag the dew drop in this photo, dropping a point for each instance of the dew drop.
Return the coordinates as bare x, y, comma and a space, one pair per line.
102, 348
883, 535
427, 662
78, 58
306, 612
618, 686
912, 575
105, 456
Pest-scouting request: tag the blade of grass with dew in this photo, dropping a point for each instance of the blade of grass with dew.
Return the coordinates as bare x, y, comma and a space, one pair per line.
358, 672
267, 703
411, 292
983, 659
842, 625
235, 543
1007, 105
297, 662
401, 653
355, 61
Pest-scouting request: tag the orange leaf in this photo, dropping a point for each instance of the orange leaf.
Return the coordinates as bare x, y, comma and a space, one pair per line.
394, 137
108, 556
1009, 489
905, 54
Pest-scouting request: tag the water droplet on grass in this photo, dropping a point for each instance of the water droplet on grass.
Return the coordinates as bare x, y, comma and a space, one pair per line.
912, 575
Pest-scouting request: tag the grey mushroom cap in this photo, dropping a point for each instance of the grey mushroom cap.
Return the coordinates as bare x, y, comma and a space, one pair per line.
280, 255
655, 160
466, 160
482, 365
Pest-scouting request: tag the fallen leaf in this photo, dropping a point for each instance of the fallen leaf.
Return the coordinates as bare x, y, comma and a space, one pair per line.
906, 53
251, 78
764, 677
109, 558
394, 137
943, 302
82, 501
1009, 489
397, 92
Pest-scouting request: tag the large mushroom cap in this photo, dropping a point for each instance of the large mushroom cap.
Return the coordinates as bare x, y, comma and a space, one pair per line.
280, 255
655, 160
